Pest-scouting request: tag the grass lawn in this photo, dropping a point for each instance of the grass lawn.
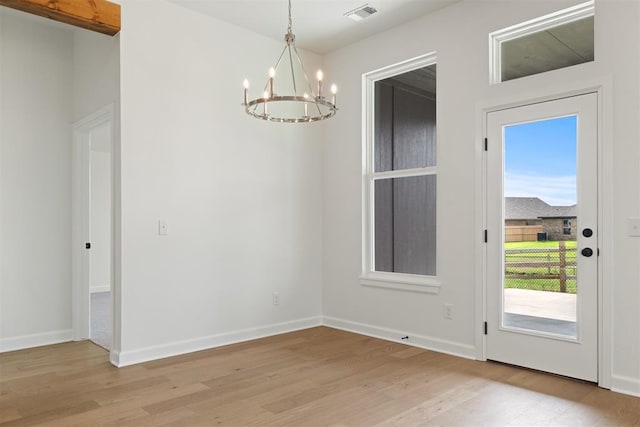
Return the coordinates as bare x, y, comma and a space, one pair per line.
570, 244
523, 276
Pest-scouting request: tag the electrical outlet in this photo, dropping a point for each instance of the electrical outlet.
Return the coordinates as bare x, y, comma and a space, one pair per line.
163, 228
448, 311
276, 298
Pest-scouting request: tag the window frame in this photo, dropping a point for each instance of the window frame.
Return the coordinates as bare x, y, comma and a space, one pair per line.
370, 277
496, 38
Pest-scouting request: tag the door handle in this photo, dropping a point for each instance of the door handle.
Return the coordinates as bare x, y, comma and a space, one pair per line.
587, 232
587, 252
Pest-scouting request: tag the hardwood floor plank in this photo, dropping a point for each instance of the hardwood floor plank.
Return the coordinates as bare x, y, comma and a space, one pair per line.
319, 376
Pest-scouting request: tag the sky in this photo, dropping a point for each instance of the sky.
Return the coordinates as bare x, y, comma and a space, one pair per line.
540, 160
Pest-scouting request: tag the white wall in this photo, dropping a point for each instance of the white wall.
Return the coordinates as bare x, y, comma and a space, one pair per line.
459, 34
96, 72
100, 221
242, 198
35, 169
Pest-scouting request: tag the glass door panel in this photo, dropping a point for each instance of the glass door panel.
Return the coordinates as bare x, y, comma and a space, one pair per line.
540, 223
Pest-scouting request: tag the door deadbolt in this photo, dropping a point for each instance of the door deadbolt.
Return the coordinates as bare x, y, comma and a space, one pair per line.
587, 252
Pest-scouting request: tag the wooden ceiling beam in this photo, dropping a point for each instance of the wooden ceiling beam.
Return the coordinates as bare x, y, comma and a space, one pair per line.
96, 15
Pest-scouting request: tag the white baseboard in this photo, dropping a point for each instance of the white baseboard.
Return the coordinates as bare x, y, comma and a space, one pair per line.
428, 343
176, 348
96, 289
35, 340
114, 358
625, 385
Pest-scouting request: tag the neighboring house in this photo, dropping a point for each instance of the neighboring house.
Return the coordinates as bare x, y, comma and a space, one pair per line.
526, 217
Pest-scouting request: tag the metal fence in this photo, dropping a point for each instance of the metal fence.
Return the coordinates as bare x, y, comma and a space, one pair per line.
545, 269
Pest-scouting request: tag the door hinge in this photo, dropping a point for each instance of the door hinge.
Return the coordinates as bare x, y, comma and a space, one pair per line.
485, 328
87, 245
486, 144
485, 236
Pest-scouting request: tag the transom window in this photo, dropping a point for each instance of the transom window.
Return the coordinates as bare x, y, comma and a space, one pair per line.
400, 177
558, 40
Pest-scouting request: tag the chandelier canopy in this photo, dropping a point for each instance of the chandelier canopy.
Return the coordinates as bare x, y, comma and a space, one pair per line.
301, 104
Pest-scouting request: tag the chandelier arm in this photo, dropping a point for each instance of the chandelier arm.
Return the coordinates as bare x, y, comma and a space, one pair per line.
275, 68
304, 72
317, 104
293, 75
280, 58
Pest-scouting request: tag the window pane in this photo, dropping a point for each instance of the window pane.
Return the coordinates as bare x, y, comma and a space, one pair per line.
405, 120
550, 49
405, 225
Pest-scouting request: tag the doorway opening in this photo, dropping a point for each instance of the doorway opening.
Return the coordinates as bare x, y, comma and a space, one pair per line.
92, 233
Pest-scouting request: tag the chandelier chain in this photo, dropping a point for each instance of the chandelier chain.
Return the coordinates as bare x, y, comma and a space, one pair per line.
289, 29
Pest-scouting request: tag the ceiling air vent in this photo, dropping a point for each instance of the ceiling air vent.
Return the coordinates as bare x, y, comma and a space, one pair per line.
360, 13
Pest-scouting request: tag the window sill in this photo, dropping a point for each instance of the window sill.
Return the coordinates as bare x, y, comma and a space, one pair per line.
402, 282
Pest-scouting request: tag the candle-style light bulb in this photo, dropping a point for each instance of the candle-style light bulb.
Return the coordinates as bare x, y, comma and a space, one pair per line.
246, 91
319, 77
334, 90
272, 74
266, 97
306, 106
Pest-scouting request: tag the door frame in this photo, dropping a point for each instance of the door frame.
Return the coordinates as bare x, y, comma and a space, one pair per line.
80, 217
532, 95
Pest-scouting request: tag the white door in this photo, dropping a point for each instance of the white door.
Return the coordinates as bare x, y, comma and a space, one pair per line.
542, 236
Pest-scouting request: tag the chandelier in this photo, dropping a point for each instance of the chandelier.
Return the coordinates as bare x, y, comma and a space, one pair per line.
301, 104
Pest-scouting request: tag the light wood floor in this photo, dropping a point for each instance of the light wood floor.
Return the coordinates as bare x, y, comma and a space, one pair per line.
315, 377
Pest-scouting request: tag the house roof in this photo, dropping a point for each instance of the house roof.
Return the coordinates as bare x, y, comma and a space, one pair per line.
534, 207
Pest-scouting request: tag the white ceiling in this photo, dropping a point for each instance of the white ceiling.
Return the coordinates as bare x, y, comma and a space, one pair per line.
319, 25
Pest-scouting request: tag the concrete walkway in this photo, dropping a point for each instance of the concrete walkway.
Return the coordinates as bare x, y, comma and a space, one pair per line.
552, 305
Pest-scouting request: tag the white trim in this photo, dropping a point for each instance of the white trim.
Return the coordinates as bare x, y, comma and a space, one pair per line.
404, 173
421, 341
35, 340
400, 281
80, 217
606, 233
99, 289
176, 348
401, 67
370, 277
625, 385
496, 38
481, 225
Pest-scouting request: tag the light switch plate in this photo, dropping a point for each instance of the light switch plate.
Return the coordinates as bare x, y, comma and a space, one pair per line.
163, 229
633, 227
